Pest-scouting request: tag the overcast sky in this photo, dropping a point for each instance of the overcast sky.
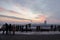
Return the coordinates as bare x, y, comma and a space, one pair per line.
32, 9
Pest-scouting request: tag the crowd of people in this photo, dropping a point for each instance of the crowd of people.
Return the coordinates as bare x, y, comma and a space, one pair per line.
8, 28
12, 28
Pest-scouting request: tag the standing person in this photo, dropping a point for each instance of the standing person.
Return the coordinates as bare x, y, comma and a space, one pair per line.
10, 28
14, 29
38, 28
3, 29
58, 27
6, 25
26, 28
55, 28
51, 27
29, 25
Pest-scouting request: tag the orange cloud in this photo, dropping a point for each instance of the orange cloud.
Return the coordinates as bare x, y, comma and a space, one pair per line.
40, 18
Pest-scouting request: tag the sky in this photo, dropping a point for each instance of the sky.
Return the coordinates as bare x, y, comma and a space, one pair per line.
27, 10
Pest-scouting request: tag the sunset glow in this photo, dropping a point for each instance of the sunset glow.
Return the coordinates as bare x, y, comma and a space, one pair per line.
35, 10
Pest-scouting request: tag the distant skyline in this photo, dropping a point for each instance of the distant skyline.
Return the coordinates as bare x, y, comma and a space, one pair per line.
35, 10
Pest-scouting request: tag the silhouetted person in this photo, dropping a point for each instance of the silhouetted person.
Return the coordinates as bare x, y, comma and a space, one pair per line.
51, 27
22, 28
55, 28
29, 25
10, 28
58, 27
26, 28
17, 27
3, 29
14, 29
38, 28
7, 28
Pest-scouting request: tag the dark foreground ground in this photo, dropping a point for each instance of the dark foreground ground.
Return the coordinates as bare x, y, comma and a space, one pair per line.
30, 37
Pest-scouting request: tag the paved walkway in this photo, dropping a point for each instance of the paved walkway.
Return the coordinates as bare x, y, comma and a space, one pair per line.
37, 33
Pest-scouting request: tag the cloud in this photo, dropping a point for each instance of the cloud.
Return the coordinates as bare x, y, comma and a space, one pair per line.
13, 17
24, 11
30, 9
12, 20
44, 6
10, 12
1, 9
